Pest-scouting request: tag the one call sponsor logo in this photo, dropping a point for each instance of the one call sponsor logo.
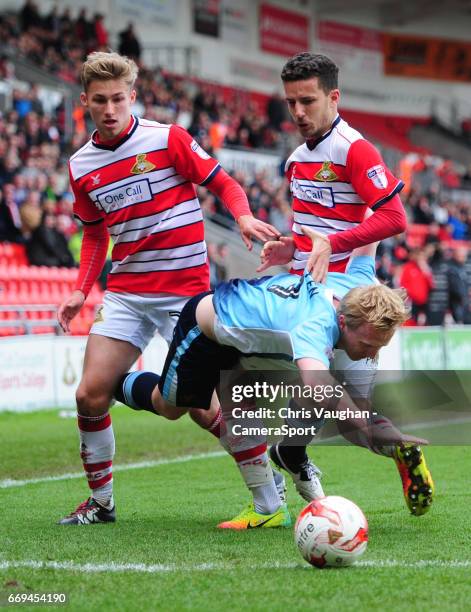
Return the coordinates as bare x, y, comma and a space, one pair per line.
308, 192
125, 195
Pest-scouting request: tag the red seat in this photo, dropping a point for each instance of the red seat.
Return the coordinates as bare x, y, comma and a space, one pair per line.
39, 285
19, 254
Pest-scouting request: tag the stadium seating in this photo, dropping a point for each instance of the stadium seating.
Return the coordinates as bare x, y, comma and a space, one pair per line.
389, 130
23, 285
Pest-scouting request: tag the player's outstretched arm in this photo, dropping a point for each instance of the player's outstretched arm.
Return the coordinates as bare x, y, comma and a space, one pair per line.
276, 253
250, 228
69, 309
369, 250
314, 373
235, 200
92, 258
388, 220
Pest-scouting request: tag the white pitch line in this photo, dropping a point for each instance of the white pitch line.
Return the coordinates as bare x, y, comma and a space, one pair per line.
142, 568
8, 483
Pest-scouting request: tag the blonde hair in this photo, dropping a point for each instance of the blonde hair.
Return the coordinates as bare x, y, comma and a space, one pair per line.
383, 308
102, 66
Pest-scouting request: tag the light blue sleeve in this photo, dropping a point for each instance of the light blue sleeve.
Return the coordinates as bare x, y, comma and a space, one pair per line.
362, 269
310, 339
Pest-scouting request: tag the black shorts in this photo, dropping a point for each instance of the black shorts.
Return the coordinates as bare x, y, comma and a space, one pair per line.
194, 362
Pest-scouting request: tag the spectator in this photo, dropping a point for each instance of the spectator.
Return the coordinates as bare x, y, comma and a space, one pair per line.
29, 16
385, 270
101, 33
422, 211
217, 255
66, 25
47, 246
9, 226
459, 285
31, 213
22, 103
84, 29
276, 111
52, 22
457, 223
438, 298
129, 45
417, 280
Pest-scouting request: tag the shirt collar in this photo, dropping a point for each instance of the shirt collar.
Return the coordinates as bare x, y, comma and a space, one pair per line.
117, 139
312, 144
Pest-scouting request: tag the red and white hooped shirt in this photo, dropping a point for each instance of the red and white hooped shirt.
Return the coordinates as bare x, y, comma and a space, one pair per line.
333, 180
141, 186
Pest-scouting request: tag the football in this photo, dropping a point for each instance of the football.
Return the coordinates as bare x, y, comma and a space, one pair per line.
331, 532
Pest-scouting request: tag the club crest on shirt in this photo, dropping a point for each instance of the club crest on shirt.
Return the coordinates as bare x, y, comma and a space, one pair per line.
142, 165
326, 174
377, 175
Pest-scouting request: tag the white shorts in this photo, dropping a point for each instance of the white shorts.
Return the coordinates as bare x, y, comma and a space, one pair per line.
358, 376
136, 319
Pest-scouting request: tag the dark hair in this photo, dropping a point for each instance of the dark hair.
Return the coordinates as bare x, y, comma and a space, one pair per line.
307, 65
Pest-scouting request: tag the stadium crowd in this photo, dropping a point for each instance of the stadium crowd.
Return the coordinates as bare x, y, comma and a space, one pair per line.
36, 202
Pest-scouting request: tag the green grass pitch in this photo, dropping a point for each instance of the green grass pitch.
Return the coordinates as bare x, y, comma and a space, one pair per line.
165, 553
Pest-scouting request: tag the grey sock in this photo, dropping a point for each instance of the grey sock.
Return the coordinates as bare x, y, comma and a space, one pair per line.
266, 498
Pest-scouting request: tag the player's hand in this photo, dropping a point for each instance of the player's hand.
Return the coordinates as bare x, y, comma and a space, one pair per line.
69, 309
406, 440
250, 227
276, 253
319, 259
392, 436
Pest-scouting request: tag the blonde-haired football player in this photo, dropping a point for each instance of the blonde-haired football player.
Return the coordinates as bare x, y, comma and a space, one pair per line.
134, 181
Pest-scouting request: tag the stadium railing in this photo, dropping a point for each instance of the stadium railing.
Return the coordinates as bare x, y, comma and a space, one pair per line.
22, 286
28, 319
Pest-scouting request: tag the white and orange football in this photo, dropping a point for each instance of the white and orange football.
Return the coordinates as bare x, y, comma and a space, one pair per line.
331, 532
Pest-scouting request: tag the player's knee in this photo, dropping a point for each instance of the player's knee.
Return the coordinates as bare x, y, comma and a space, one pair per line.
91, 402
173, 415
203, 418
163, 408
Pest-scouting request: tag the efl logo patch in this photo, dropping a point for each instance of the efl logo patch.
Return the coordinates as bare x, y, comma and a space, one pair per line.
377, 174
198, 150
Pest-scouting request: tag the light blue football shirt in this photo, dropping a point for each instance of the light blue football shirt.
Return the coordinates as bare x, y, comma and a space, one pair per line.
286, 316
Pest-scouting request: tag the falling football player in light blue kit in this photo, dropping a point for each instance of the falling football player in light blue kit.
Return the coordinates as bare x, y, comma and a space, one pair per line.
281, 318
